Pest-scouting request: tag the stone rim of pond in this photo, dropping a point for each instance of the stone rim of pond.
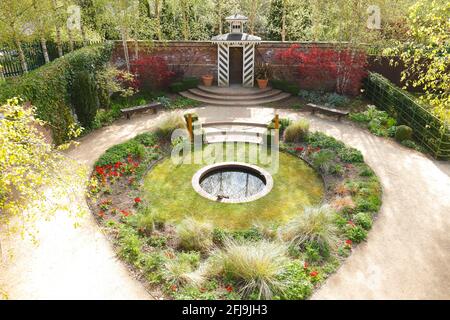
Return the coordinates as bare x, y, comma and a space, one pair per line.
199, 175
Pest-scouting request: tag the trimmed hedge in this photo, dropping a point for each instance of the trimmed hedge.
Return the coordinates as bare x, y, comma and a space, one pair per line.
49, 87
428, 130
185, 84
285, 86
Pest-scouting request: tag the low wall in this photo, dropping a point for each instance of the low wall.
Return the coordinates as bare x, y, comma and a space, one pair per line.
196, 58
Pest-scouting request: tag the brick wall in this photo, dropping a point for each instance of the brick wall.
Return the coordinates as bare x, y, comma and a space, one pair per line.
196, 58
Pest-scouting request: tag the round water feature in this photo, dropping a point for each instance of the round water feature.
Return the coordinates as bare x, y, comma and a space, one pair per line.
232, 182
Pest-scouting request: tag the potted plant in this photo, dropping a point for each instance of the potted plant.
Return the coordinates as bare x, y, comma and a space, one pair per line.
263, 74
207, 80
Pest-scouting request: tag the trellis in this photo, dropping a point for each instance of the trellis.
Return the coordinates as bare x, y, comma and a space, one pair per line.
431, 132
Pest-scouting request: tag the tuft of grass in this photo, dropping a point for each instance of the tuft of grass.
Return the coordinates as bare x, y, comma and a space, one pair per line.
257, 266
314, 225
166, 128
297, 131
147, 220
181, 270
343, 203
195, 234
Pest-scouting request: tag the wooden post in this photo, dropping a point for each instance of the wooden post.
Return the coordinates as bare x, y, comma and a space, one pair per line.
190, 129
277, 129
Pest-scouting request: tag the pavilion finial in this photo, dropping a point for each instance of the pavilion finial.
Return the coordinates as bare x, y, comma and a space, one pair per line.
236, 22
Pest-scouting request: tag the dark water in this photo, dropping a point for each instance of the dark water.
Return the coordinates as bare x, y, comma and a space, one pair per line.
233, 183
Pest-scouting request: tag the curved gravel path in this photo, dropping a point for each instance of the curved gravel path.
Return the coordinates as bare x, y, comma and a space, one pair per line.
406, 256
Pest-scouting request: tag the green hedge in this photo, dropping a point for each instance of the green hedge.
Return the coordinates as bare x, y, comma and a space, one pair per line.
185, 84
285, 86
431, 132
49, 87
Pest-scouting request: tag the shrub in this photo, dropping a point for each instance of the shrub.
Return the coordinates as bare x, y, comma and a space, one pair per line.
195, 235
315, 224
411, 144
84, 98
285, 86
257, 265
364, 220
147, 139
321, 140
49, 87
152, 73
176, 87
283, 124
351, 155
356, 234
378, 122
336, 100
120, 152
297, 286
297, 131
403, 133
368, 203
322, 160
129, 245
311, 96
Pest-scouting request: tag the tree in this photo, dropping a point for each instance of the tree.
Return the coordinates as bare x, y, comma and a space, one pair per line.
15, 17
427, 54
43, 21
28, 163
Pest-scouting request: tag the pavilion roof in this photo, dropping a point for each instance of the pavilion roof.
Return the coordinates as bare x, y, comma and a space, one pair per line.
235, 37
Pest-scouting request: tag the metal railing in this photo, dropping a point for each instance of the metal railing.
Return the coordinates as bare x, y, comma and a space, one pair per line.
34, 56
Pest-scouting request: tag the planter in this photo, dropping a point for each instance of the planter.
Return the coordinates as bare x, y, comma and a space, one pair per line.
207, 80
262, 83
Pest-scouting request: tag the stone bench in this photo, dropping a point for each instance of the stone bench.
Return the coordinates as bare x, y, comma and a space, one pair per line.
152, 106
327, 110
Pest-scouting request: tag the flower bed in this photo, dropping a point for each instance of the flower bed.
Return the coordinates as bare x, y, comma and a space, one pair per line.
194, 259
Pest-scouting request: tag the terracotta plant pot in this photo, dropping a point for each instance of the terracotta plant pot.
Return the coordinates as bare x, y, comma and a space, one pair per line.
262, 83
207, 80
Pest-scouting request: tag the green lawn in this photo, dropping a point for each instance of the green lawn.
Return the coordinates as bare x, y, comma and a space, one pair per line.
168, 190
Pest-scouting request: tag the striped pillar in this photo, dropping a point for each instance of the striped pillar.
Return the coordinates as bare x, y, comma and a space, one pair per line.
248, 72
223, 65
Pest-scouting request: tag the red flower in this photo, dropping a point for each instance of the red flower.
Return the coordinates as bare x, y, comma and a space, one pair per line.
348, 242
305, 265
118, 164
299, 149
350, 223
101, 214
137, 200
229, 288
100, 170
125, 213
314, 274
173, 287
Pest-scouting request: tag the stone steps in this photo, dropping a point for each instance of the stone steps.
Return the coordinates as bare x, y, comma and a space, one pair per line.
255, 99
240, 97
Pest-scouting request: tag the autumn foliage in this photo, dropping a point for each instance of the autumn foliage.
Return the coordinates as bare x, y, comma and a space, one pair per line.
152, 73
346, 67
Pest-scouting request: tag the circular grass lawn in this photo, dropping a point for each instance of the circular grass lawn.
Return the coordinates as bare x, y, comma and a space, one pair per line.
168, 190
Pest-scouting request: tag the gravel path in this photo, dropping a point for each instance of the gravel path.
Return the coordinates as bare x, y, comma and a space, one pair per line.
406, 256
